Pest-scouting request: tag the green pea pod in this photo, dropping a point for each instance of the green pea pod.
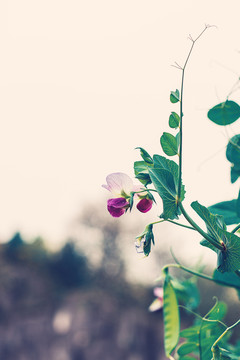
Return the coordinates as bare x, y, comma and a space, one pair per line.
170, 316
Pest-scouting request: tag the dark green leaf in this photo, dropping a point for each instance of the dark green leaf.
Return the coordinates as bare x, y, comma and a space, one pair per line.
233, 150
225, 113
218, 312
206, 243
149, 239
190, 332
229, 257
187, 348
141, 172
238, 206
177, 137
213, 223
174, 120
231, 279
234, 174
226, 355
164, 184
170, 317
174, 96
233, 155
169, 144
228, 209
145, 155
164, 176
187, 292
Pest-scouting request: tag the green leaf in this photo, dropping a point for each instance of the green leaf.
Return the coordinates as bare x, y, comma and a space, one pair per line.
145, 155
213, 223
174, 120
234, 174
201, 336
141, 172
187, 292
174, 96
233, 155
225, 354
164, 184
177, 137
164, 176
170, 317
218, 312
233, 150
187, 348
238, 205
228, 209
191, 332
231, 279
225, 113
149, 239
229, 257
169, 144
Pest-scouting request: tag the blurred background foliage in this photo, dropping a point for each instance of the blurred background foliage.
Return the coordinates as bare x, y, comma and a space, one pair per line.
78, 302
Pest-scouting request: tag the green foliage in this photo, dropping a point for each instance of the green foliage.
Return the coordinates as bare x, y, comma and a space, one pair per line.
200, 337
164, 175
145, 155
170, 316
214, 223
166, 178
141, 172
174, 120
223, 354
233, 155
145, 240
228, 209
229, 256
174, 96
187, 292
231, 279
169, 144
225, 113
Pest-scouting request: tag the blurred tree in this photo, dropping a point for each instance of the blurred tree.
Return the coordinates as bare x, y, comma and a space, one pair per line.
112, 265
68, 267
14, 249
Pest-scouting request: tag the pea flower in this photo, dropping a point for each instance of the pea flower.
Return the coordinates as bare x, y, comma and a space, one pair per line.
123, 190
144, 241
157, 304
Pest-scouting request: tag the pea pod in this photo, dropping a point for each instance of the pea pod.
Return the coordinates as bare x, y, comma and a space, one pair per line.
170, 317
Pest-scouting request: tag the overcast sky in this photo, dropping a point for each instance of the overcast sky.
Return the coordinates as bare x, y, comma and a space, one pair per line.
82, 83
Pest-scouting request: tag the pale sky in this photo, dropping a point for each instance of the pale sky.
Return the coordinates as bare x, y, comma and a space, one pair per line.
82, 83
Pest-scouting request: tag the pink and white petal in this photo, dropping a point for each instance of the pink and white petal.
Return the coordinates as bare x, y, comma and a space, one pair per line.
139, 188
157, 304
117, 183
158, 292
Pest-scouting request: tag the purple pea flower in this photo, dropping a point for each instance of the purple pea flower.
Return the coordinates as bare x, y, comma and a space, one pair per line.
121, 186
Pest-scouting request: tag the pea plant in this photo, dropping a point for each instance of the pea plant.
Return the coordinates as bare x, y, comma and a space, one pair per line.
209, 337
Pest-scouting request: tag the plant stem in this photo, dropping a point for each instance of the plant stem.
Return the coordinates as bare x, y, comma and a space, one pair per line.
203, 276
235, 229
176, 223
222, 335
181, 112
197, 228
